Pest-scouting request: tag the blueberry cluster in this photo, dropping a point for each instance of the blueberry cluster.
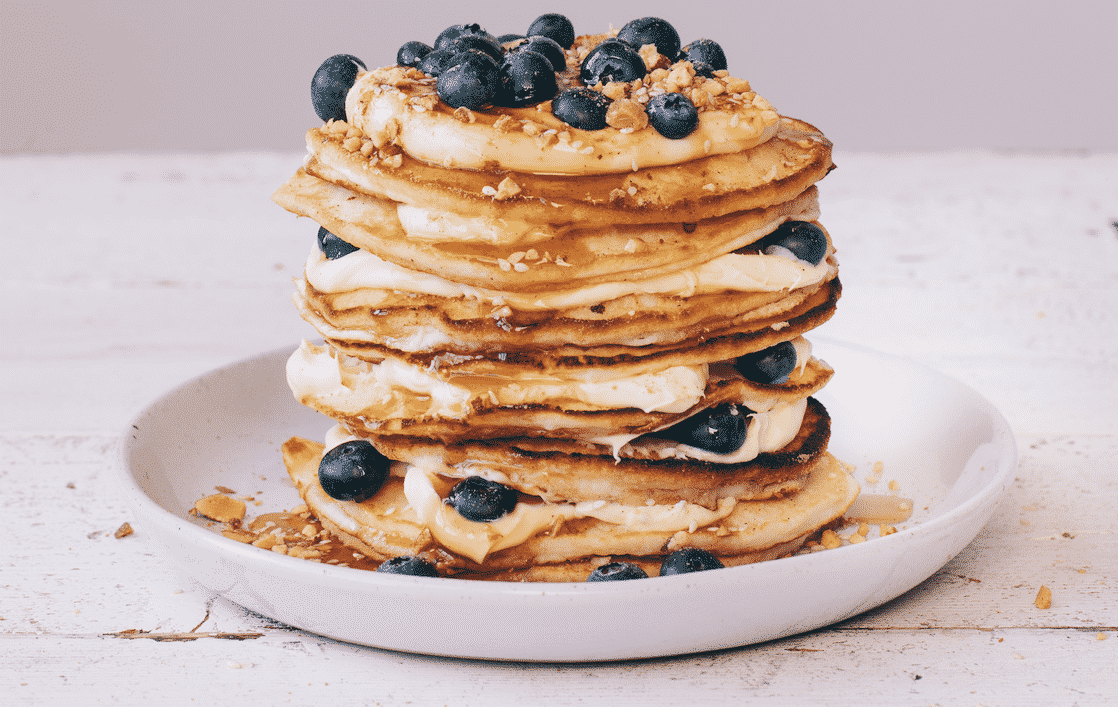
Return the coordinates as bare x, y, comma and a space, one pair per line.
474, 69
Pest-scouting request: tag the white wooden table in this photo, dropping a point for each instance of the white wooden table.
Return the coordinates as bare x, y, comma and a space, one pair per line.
124, 275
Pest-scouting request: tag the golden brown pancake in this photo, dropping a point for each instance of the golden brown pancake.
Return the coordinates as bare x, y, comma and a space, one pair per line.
385, 526
573, 253
774, 172
568, 470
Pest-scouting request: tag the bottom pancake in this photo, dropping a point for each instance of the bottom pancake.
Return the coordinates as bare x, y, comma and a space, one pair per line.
389, 525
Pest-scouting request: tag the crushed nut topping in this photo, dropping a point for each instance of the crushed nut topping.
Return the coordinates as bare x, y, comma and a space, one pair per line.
625, 113
220, 508
464, 114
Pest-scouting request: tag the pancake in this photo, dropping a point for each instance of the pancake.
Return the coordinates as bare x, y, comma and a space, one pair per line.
388, 525
567, 470
774, 172
386, 398
470, 250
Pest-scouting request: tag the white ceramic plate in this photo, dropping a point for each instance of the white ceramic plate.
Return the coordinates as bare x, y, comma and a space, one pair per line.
948, 448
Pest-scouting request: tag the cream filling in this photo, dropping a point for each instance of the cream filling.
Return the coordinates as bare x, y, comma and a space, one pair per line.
443, 226
476, 540
732, 272
434, 136
768, 431
393, 388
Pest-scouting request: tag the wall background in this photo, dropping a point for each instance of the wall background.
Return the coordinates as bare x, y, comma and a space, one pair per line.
874, 75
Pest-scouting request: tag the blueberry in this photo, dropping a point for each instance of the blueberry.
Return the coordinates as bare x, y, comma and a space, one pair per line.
651, 30
332, 246
479, 499
720, 430
581, 108
453, 32
771, 365
804, 239
548, 47
481, 42
555, 27
689, 559
616, 571
331, 83
526, 78
471, 82
673, 115
409, 565
612, 60
411, 52
704, 51
436, 62
352, 471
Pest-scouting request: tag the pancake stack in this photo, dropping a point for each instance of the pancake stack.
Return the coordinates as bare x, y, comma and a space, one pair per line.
586, 317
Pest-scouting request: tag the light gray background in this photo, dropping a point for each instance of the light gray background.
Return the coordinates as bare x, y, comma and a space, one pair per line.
202, 75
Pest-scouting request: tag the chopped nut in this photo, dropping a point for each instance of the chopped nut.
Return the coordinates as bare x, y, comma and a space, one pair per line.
304, 553
714, 88
124, 530
531, 128
652, 58
830, 540
856, 538
734, 85
503, 124
884, 530
1043, 598
505, 190
241, 536
352, 144
681, 74
624, 113
220, 508
464, 114
616, 91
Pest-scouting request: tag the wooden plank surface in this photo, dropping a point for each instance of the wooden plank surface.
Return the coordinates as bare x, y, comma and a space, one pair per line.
127, 274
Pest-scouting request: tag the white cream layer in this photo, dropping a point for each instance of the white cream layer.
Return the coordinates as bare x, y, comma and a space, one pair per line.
383, 113
476, 540
396, 389
732, 272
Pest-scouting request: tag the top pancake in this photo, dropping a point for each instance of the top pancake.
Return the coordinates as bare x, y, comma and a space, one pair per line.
400, 106
774, 172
